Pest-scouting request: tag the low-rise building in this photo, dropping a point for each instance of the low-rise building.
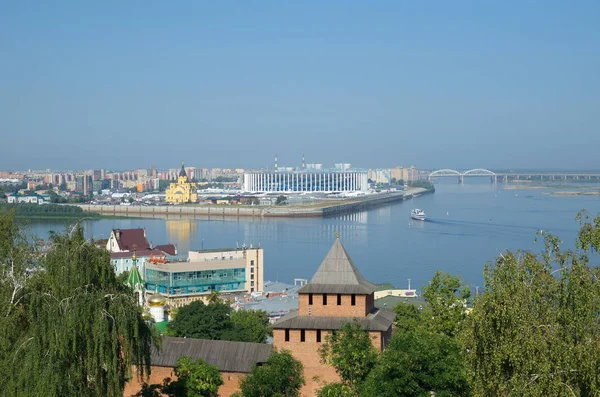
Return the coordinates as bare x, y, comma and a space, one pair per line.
234, 359
123, 244
222, 270
29, 199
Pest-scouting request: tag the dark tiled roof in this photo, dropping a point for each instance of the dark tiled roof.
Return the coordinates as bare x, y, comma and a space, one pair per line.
337, 274
182, 172
167, 249
378, 320
228, 356
126, 238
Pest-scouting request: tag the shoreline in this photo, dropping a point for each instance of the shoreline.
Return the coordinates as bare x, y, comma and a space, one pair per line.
315, 210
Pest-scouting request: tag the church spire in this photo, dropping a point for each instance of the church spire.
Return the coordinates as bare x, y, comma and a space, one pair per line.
182, 172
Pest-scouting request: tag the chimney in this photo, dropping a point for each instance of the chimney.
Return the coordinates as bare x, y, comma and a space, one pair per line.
303, 162
118, 234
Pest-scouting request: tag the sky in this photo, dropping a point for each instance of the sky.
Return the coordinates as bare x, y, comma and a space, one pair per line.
438, 84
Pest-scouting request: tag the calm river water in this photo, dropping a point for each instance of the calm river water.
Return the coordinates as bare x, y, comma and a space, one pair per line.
467, 226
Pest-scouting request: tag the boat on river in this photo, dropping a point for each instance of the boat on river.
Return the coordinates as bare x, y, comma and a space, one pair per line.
418, 215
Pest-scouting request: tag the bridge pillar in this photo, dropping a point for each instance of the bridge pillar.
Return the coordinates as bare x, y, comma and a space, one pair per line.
461, 179
505, 178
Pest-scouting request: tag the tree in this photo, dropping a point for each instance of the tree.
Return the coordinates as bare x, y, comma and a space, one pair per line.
281, 376
281, 200
418, 363
534, 330
250, 326
76, 331
122, 278
447, 296
351, 353
408, 316
194, 379
198, 320
216, 320
336, 390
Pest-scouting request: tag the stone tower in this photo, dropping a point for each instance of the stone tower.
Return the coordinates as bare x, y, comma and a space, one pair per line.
337, 294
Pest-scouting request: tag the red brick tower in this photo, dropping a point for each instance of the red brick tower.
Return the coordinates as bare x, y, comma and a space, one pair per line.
337, 294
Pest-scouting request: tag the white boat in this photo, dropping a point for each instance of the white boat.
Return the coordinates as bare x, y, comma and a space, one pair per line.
418, 215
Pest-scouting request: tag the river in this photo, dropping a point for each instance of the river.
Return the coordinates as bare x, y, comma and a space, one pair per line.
467, 226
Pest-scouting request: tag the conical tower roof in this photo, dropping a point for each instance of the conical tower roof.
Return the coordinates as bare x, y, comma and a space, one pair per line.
134, 280
182, 172
337, 274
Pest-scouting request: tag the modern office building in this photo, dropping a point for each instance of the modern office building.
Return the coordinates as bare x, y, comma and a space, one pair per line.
306, 181
205, 271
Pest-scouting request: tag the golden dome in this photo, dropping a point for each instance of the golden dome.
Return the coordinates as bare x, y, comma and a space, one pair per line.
157, 300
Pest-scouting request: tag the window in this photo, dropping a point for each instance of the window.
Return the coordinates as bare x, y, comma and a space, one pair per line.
339, 299
287, 335
310, 299
251, 289
252, 283
318, 336
302, 335
251, 270
252, 277
252, 262
353, 300
324, 299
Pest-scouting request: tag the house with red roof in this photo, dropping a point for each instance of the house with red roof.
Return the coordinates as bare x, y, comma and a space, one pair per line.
123, 242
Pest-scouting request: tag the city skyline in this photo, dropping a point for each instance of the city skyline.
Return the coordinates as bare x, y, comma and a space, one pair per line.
462, 85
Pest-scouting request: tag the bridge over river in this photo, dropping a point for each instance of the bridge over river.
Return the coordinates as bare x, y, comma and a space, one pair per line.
521, 175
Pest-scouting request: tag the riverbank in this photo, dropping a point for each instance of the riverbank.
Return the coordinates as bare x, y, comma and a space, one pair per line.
48, 211
316, 209
588, 193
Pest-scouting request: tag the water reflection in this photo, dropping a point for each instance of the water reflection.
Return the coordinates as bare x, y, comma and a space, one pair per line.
181, 232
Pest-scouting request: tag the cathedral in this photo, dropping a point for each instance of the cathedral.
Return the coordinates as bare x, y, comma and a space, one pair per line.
182, 191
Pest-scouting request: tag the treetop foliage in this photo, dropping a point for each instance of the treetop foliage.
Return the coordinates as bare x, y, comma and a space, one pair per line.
67, 327
216, 320
281, 376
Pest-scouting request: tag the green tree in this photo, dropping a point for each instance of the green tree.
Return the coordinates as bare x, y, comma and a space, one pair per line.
336, 390
447, 297
77, 331
281, 200
122, 278
194, 379
418, 363
408, 316
202, 321
281, 376
249, 326
351, 353
534, 330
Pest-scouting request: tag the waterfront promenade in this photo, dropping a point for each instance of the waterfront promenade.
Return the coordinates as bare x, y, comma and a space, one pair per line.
316, 209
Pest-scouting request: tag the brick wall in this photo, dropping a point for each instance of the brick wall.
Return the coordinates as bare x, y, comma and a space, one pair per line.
316, 374
363, 305
231, 381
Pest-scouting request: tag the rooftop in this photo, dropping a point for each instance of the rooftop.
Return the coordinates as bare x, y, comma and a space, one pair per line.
127, 238
228, 356
338, 274
377, 320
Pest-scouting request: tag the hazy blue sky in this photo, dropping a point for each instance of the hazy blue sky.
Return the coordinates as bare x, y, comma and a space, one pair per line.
124, 84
